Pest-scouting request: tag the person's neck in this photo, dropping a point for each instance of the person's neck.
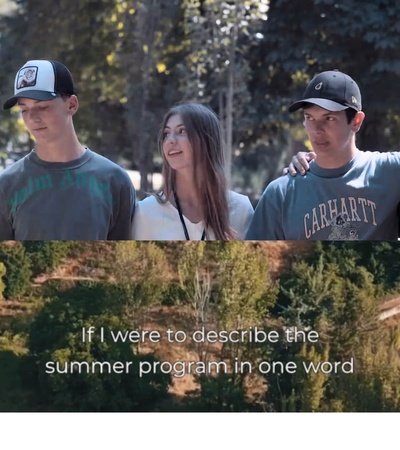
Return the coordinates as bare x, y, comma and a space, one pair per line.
336, 161
61, 151
188, 199
186, 189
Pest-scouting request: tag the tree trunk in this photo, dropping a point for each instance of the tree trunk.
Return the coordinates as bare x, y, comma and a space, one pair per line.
229, 104
145, 160
229, 124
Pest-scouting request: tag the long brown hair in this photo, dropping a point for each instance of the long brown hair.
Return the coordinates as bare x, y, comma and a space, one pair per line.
205, 136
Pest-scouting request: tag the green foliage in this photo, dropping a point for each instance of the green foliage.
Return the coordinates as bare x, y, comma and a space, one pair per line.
70, 307
45, 255
234, 275
174, 295
2, 273
56, 335
245, 291
381, 259
142, 267
312, 386
219, 394
308, 292
333, 293
18, 273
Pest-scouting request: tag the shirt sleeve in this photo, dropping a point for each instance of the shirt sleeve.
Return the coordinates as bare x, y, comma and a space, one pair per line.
266, 223
6, 229
247, 215
122, 227
141, 227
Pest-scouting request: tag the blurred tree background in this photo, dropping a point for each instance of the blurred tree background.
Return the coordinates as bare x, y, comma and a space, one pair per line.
248, 60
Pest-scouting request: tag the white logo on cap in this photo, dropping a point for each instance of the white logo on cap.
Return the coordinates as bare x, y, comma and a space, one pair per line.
27, 77
318, 86
354, 100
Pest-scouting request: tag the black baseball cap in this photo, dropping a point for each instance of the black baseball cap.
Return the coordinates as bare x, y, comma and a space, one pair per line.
331, 90
41, 79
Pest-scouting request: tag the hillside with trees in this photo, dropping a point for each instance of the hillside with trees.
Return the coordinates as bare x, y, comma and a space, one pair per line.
346, 294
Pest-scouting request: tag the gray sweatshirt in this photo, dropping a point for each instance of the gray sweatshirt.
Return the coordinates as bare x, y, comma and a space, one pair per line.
356, 201
89, 198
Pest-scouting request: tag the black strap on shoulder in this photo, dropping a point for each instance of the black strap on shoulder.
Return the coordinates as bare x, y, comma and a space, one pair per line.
178, 207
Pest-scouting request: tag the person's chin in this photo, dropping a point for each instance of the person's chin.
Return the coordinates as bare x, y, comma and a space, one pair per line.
319, 147
181, 167
39, 131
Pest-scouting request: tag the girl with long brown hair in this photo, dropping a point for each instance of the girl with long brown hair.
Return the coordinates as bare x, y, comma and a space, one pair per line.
194, 202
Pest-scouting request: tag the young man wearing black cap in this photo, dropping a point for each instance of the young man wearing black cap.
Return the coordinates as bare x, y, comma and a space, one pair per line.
61, 190
347, 194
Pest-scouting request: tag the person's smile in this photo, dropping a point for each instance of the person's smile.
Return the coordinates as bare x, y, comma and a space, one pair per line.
174, 152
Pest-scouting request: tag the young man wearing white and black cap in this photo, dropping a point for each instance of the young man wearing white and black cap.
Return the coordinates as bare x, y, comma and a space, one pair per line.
347, 194
61, 190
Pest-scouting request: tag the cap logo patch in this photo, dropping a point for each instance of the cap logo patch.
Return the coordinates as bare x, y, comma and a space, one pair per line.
354, 100
27, 77
318, 86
